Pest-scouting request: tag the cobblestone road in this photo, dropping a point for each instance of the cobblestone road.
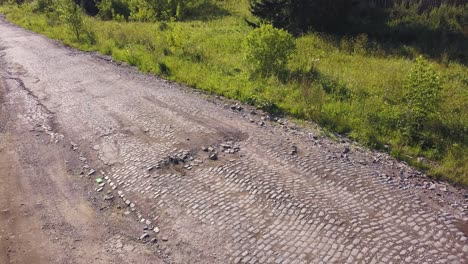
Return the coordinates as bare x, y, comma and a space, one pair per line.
272, 194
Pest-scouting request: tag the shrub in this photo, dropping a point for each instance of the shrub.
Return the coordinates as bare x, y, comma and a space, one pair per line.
177, 39
72, 15
268, 50
423, 95
360, 44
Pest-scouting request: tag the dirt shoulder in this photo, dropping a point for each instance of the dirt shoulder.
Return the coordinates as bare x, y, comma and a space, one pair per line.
48, 212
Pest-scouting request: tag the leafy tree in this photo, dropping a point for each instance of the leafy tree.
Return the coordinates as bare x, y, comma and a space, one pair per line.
268, 49
72, 15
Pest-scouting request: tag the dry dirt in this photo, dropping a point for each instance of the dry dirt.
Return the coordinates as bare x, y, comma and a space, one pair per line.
191, 178
48, 213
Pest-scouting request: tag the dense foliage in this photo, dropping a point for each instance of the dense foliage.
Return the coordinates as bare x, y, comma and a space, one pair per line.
147, 10
268, 50
434, 29
390, 95
302, 15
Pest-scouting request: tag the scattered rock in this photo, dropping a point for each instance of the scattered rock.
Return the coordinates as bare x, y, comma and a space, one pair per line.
214, 156
293, 150
346, 150
236, 107
164, 238
156, 230
144, 236
73, 146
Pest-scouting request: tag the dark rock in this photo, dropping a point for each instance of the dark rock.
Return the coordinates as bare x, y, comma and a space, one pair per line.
214, 156
225, 145
293, 150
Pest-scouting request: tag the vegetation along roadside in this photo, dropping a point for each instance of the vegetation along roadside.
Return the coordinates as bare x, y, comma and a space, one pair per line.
392, 77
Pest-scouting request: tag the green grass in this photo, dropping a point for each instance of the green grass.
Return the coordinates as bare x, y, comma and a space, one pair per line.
344, 86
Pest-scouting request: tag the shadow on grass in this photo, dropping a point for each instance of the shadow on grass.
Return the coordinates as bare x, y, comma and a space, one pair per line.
440, 33
205, 12
409, 40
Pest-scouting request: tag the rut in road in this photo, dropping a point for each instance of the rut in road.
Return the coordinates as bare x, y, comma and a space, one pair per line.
272, 195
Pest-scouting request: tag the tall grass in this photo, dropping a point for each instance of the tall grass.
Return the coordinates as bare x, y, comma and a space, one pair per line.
350, 85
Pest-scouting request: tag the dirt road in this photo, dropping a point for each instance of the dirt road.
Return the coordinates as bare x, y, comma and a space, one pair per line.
189, 178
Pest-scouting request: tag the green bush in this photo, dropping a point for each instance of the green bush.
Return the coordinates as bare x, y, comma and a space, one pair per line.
268, 50
177, 39
423, 96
